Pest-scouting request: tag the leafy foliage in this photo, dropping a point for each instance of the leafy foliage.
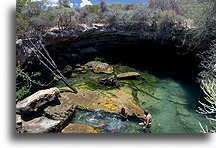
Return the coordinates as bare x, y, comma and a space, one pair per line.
194, 18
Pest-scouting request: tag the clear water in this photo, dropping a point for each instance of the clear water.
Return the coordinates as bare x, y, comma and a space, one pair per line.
106, 122
172, 105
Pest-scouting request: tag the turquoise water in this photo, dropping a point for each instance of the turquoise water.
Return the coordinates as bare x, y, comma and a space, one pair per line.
172, 104
108, 123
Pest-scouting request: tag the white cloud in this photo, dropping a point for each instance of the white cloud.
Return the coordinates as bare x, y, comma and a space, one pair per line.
85, 2
53, 1
71, 5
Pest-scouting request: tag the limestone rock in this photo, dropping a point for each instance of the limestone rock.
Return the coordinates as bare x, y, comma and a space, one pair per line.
24, 53
61, 110
99, 67
19, 126
18, 119
77, 128
36, 100
41, 125
128, 75
67, 70
108, 101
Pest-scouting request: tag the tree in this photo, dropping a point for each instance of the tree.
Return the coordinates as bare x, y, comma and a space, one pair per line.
103, 6
203, 15
64, 3
63, 16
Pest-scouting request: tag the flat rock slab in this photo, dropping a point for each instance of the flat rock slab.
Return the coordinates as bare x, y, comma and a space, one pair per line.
77, 128
36, 100
109, 101
128, 75
99, 67
62, 109
41, 125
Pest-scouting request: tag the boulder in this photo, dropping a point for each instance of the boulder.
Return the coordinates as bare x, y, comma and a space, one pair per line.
41, 125
37, 100
113, 82
19, 122
67, 71
128, 75
61, 109
77, 128
24, 53
99, 67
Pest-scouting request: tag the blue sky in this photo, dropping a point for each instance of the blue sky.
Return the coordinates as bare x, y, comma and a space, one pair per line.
81, 3
77, 2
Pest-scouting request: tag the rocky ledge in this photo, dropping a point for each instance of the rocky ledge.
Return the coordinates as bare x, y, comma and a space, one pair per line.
37, 100
99, 67
50, 111
41, 125
128, 75
109, 101
77, 128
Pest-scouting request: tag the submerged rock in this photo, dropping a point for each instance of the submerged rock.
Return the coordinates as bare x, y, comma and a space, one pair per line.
99, 67
77, 128
128, 75
41, 125
113, 82
36, 100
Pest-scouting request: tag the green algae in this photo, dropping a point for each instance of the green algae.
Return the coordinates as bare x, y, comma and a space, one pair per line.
170, 102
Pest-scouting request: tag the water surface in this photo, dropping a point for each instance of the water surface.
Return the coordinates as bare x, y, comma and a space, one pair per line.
172, 104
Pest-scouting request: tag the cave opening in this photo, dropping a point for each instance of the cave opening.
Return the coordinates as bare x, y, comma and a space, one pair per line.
159, 57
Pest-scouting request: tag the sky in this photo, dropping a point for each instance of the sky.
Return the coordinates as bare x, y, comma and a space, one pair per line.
109, 1
81, 3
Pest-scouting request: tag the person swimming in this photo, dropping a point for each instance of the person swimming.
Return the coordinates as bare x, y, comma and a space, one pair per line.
147, 120
123, 114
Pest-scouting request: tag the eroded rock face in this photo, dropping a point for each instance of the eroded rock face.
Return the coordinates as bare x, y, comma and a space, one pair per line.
61, 110
41, 125
23, 52
19, 122
128, 75
36, 100
108, 101
77, 128
99, 67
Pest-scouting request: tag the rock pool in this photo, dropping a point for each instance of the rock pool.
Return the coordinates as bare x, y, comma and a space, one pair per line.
172, 104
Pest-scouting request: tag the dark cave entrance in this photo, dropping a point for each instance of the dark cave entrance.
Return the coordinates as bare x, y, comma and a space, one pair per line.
160, 57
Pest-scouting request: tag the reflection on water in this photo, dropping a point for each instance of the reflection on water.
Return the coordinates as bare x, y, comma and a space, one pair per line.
172, 104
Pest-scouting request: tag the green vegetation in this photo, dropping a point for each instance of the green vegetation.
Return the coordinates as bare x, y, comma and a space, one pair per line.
190, 22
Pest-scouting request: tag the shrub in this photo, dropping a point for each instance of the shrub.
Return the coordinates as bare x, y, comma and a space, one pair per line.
22, 26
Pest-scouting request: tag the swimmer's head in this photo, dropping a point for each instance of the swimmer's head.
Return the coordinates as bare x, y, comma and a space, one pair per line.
123, 109
146, 112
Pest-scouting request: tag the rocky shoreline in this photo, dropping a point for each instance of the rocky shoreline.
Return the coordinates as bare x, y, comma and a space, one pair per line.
53, 108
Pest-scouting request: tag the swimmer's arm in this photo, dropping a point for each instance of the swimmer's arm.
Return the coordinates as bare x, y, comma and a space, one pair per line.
146, 124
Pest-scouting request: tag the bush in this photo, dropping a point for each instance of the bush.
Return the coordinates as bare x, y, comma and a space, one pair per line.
203, 15
63, 17
40, 25
22, 27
